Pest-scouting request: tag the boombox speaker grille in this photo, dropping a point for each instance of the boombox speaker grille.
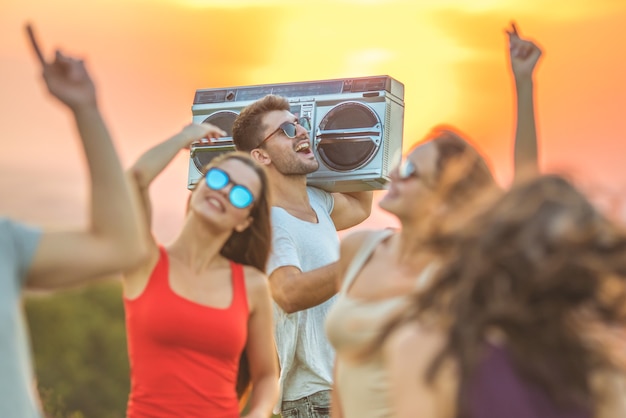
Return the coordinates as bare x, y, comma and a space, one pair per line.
202, 155
348, 136
224, 120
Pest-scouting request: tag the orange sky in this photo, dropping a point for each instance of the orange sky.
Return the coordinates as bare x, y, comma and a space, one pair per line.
149, 56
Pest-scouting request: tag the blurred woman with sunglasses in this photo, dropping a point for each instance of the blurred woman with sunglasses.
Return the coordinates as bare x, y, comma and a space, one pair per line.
201, 304
378, 270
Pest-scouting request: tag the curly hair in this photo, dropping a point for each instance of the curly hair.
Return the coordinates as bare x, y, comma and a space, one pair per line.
461, 171
461, 179
247, 132
540, 264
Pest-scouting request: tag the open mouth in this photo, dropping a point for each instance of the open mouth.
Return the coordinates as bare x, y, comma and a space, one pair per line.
303, 147
216, 203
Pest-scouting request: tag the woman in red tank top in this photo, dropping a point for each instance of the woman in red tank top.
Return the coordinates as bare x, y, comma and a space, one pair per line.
198, 311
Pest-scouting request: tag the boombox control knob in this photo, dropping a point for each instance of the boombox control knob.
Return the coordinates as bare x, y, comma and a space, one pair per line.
230, 96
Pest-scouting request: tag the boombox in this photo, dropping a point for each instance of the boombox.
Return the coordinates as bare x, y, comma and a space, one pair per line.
356, 127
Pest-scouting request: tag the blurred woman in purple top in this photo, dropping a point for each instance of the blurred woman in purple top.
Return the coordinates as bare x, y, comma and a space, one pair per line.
525, 318
524, 315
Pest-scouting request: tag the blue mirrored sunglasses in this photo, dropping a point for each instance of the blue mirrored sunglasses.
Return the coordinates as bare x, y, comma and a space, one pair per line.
239, 196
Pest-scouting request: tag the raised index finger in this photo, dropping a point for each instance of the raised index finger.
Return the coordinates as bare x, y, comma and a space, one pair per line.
35, 45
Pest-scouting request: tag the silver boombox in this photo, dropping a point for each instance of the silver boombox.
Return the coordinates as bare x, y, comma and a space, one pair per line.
356, 127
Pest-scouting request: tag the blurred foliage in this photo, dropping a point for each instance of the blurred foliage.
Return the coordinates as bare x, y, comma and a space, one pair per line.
79, 349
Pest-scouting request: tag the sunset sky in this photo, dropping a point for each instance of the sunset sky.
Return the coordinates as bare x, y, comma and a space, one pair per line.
148, 57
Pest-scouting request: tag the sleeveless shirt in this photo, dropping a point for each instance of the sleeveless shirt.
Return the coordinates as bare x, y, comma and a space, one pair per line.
184, 356
352, 325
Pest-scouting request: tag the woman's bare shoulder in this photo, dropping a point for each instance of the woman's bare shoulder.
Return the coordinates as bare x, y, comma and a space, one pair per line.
351, 243
257, 286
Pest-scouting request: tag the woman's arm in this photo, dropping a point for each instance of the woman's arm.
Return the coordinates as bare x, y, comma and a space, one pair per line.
154, 161
523, 57
112, 239
149, 165
260, 347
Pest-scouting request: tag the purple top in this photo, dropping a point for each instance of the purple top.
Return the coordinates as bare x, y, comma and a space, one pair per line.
497, 391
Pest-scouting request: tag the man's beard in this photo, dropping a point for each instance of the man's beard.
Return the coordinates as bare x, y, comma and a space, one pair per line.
289, 166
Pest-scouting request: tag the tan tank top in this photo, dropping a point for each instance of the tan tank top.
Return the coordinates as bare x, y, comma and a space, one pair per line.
351, 326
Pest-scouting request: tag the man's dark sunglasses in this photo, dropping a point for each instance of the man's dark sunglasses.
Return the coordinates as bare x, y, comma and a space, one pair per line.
290, 129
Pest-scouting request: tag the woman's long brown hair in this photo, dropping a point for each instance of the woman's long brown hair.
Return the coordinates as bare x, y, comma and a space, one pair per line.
540, 264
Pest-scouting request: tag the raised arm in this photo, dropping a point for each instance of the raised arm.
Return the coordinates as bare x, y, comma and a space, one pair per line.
140, 176
351, 209
524, 55
112, 239
154, 161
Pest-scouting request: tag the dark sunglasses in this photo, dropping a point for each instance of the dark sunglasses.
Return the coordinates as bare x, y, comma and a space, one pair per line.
239, 196
290, 129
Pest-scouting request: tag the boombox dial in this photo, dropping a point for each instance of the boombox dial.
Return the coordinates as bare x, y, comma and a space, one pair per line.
348, 136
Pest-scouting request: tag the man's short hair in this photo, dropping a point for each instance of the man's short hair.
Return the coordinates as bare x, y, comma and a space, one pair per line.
248, 128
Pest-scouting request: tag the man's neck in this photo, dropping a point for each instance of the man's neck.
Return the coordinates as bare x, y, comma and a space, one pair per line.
290, 194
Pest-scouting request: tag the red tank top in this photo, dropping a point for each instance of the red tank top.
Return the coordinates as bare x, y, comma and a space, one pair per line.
184, 356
